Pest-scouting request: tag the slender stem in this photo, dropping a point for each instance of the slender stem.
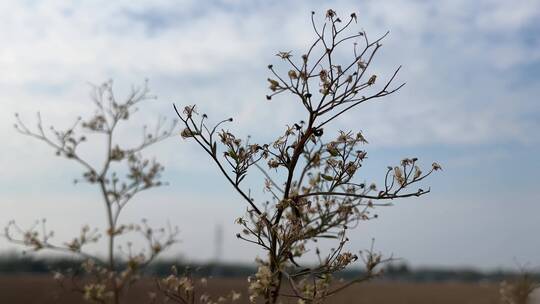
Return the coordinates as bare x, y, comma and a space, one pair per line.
111, 222
374, 197
111, 235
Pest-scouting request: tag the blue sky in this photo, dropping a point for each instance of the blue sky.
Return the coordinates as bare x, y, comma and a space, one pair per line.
471, 103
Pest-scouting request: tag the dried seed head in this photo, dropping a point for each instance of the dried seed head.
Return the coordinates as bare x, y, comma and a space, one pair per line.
436, 166
330, 13
372, 79
292, 74
274, 85
284, 55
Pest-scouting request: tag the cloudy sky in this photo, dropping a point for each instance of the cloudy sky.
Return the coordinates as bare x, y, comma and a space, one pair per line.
472, 70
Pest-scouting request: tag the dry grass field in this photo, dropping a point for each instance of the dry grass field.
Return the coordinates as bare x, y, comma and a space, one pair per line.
43, 290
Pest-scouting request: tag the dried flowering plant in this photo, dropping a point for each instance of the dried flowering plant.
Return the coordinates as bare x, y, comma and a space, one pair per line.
123, 174
311, 180
183, 288
519, 289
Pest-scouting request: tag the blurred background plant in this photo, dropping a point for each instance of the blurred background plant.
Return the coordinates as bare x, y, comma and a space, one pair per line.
123, 174
520, 288
189, 289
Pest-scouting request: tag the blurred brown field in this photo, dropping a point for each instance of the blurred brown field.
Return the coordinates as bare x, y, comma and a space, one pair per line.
43, 290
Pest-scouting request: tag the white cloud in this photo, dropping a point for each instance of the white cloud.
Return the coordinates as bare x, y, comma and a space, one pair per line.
63, 45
